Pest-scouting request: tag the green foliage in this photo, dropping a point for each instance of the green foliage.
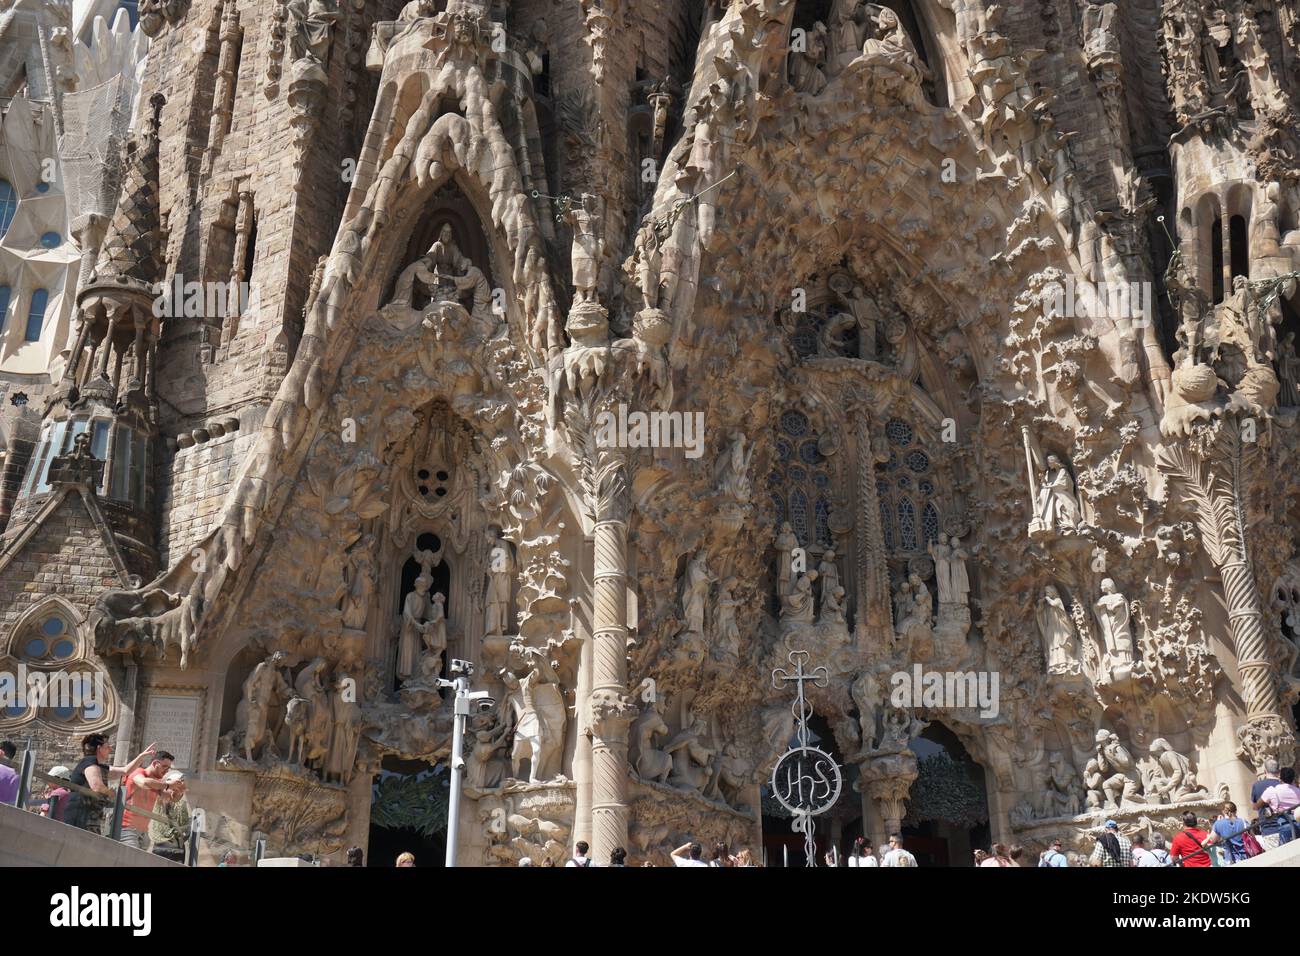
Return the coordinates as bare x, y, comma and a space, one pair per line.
415, 803
949, 790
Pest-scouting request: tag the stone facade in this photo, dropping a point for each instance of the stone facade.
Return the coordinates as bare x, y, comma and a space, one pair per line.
621, 349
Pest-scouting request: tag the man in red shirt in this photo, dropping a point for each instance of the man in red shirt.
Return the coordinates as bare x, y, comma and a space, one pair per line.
142, 788
1191, 847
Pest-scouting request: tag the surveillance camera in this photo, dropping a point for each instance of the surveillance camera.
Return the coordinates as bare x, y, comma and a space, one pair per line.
461, 667
485, 705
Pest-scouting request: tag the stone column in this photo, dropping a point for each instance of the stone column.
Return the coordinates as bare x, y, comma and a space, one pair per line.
1208, 467
127, 748
611, 708
582, 746
886, 779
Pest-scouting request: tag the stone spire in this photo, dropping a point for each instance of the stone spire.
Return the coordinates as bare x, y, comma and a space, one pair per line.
132, 251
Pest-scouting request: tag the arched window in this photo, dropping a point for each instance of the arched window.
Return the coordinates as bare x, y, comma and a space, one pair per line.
61, 687
801, 482
132, 10
1239, 258
909, 511
8, 205
36, 315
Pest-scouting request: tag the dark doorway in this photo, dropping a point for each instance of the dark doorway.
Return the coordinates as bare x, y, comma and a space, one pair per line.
408, 813
947, 808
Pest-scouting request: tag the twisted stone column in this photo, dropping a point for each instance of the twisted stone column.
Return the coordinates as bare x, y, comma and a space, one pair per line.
611, 708
1209, 468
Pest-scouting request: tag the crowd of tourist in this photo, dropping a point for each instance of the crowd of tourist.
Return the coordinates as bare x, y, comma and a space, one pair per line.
157, 811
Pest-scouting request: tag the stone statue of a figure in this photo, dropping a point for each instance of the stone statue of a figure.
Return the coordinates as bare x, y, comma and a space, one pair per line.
727, 640
1060, 640
1057, 506
889, 50
807, 66
315, 21
309, 685
500, 581
950, 577
537, 703
1118, 770
651, 762
1172, 777
785, 546
588, 247
417, 618
359, 582
483, 769
691, 758
1116, 628
733, 470
798, 606
832, 610
265, 689
435, 639
695, 592
828, 574
443, 274
345, 734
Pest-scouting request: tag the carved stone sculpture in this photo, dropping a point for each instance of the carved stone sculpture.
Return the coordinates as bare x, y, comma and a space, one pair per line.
484, 769
264, 690
695, 592
537, 705
444, 274
346, 720
1172, 778
1060, 641
785, 546
828, 574
1121, 780
691, 757
588, 247
726, 643
1057, 508
417, 619
1113, 615
500, 584
832, 610
651, 762
798, 606
733, 471
359, 583
807, 66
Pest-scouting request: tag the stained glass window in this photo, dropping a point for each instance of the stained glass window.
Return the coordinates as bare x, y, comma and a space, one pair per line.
909, 515
801, 482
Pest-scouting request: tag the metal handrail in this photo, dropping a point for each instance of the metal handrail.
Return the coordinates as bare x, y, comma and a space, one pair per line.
25, 800
30, 773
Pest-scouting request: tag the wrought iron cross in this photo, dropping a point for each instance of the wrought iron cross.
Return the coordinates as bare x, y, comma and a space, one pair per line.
806, 780
802, 710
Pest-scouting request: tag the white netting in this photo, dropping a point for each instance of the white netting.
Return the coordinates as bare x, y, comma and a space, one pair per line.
95, 124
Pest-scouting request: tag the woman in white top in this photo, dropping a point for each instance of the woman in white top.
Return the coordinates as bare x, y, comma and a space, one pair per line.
862, 853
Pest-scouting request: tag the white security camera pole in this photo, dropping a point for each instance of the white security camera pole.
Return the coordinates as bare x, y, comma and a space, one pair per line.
464, 699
